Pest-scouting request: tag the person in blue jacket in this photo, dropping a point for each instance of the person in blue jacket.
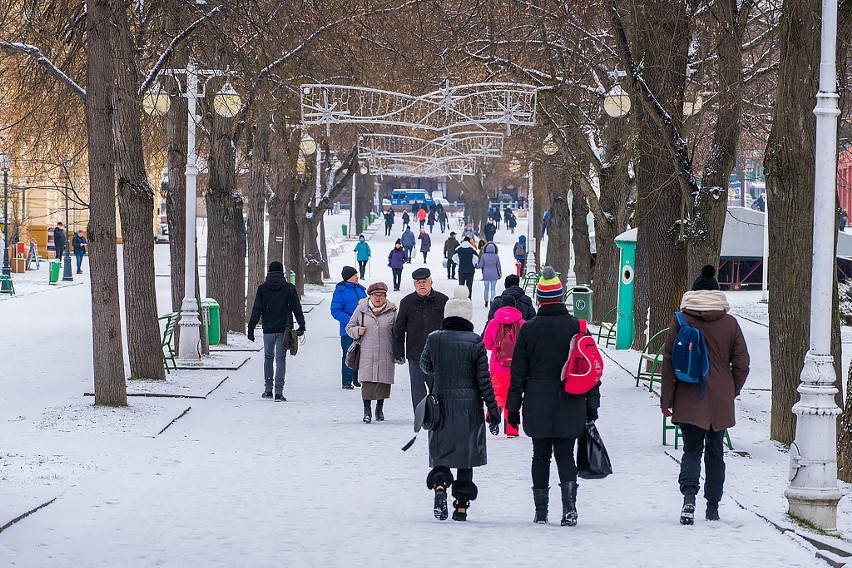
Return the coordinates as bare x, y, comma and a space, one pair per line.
346, 296
408, 242
362, 254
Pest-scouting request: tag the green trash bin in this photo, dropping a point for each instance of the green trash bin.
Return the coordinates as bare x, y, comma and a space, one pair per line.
293, 277
372, 217
343, 229
210, 317
55, 269
582, 300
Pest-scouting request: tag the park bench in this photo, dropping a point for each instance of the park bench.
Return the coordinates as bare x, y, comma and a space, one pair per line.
167, 340
606, 329
651, 359
8, 283
677, 435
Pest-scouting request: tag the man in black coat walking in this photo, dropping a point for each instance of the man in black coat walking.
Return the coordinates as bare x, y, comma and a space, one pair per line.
552, 418
513, 290
466, 260
60, 241
276, 302
420, 313
489, 230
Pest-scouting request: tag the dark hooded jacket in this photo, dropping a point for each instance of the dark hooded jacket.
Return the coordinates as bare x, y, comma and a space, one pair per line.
456, 367
276, 301
540, 352
417, 317
523, 302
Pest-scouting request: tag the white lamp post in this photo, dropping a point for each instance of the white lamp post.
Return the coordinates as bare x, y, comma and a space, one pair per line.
531, 220
5, 166
226, 103
813, 493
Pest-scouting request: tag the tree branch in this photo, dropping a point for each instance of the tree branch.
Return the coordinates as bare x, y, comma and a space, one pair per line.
41, 59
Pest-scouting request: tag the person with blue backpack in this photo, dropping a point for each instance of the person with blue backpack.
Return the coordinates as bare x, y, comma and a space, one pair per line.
705, 365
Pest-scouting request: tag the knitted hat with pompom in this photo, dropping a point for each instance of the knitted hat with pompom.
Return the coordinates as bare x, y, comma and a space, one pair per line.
549, 289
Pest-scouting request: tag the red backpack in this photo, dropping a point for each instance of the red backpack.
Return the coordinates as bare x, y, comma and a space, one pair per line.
505, 338
584, 368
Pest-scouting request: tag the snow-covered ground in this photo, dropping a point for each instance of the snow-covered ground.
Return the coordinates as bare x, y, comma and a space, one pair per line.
240, 481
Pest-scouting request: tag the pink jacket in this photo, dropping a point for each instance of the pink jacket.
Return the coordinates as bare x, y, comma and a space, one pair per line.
507, 315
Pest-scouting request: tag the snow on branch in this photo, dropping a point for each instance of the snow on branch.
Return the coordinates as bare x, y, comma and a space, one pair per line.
41, 59
176, 41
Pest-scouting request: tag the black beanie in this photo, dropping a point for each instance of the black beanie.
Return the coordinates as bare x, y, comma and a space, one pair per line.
276, 266
707, 279
348, 272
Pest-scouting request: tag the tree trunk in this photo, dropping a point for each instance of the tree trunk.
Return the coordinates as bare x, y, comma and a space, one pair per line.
258, 180
225, 256
295, 256
136, 208
789, 164
559, 241
107, 350
580, 231
711, 204
660, 243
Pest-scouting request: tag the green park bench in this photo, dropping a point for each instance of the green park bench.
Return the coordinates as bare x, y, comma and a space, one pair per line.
606, 329
651, 359
168, 338
677, 435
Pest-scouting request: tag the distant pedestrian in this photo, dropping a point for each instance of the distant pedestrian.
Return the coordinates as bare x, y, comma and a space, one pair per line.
60, 241
81, 246
456, 367
396, 261
760, 203
466, 260
425, 244
468, 232
507, 214
552, 418
705, 410
442, 219
520, 300
408, 242
545, 223
489, 230
450, 246
372, 323
512, 222
519, 251
362, 254
405, 220
420, 313
844, 216
276, 303
430, 219
421, 216
347, 293
389, 217
489, 263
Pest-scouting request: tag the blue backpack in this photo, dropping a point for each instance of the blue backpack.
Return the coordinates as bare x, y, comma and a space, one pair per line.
689, 354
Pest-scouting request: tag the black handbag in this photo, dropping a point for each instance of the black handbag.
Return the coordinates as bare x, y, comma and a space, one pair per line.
353, 354
592, 457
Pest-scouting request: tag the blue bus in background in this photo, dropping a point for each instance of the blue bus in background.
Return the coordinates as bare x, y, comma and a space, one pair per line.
408, 197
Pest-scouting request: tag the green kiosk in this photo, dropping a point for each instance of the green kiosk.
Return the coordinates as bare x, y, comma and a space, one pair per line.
626, 243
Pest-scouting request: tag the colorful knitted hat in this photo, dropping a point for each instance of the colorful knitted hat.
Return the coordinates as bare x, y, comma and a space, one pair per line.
549, 288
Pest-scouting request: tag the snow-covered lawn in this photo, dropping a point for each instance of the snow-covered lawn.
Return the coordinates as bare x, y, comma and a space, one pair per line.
240, 481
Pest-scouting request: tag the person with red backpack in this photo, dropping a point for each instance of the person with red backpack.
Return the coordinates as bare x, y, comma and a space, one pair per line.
553, 418
500, 336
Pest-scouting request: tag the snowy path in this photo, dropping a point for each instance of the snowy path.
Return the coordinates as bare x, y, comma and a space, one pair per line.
244, 482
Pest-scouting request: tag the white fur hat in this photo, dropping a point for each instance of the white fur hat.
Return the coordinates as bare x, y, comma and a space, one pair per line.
459, 305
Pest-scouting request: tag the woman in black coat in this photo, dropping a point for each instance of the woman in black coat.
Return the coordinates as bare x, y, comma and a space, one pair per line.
456, 366
552, 418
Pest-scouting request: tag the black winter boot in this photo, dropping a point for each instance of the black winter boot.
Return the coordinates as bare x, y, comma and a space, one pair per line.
380, 415
368, 413
439, 479
687, 512
464, 492
569, 503
541, 497
460, 510
712, 513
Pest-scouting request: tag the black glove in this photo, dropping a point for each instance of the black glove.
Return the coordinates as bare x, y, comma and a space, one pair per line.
494, 429
514, 419
494, 417
250, 335
300, 332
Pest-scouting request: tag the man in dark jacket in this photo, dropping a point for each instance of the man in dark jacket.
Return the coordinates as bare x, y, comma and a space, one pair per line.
389, 215
552, 418
345, 299
490, 229
450, 246
420, 313
704, 417
276, 302
466, 259
513, 290
60, 241
80, 246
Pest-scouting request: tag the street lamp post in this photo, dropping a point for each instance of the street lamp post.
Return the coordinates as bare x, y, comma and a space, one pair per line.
67, 274
5, 165
813, 493
226, 103
531, 220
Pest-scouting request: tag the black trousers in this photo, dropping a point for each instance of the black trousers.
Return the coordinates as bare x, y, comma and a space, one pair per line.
388, 229
397, 278
467, 280
451, 269
418, 382
563, 450
695, 441
362, 267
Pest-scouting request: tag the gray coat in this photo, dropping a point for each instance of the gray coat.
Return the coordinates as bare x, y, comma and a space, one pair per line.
376, 364
489, 262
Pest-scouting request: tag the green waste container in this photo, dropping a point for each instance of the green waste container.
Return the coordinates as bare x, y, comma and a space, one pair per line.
372, 217
55, 269
293, 277
210, 317
343, 229
582, 299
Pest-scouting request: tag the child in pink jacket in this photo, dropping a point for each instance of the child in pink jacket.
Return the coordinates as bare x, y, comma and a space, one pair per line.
510, 318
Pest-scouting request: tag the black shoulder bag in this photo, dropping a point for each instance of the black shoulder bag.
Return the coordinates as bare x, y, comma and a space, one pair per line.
353, 354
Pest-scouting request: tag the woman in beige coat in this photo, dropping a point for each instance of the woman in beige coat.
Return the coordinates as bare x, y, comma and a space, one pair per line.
372, 323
